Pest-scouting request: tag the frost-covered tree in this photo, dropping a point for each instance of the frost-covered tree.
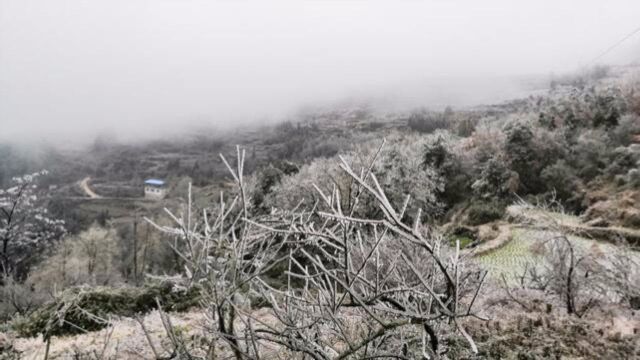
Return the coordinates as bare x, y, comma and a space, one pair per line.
439, 155
91, 258
525, 156
495, 179
399, 170
25, 225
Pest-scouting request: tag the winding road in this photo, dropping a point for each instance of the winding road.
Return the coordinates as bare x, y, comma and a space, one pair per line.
84, 185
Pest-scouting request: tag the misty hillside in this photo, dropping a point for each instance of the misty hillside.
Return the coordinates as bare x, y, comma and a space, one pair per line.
493, 231
319, 180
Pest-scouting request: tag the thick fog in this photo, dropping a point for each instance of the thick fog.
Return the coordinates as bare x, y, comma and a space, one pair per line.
71, 69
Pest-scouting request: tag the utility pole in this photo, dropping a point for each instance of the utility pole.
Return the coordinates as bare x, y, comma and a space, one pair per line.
135, 249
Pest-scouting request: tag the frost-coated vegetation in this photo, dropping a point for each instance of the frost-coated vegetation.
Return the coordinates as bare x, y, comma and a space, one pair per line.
394, 279
25, 226
399, 169
318, 242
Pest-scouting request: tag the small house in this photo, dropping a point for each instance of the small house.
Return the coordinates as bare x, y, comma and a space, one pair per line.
154, 189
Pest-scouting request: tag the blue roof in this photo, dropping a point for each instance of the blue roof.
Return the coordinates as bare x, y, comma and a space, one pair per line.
155, 182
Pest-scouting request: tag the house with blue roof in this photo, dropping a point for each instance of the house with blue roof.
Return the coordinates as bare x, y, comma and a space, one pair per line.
154, 189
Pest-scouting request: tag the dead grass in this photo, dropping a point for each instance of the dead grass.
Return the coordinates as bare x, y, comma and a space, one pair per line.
124, 340
609, 333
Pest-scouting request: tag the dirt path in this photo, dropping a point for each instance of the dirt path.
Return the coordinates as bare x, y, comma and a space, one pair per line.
84, 185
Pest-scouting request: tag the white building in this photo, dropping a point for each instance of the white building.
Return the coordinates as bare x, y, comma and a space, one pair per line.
154, 189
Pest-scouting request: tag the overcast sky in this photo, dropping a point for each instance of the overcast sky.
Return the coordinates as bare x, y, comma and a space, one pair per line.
72, 68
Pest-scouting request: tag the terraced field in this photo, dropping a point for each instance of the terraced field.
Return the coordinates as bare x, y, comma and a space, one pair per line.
512, 258
519, 253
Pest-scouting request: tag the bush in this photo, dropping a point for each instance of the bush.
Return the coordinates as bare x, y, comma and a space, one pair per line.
623, 160
482, 213
606, 111
83, 308
590, 154
267, 178
628, 126
561, 178
18, 298
634, 178
464, 234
